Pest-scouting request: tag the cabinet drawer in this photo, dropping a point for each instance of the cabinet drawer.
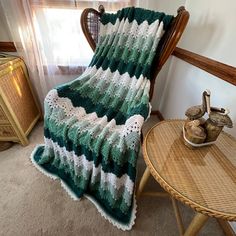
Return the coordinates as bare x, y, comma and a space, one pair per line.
6, 131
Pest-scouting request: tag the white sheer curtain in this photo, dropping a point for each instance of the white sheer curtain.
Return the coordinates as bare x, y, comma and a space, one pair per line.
48, 36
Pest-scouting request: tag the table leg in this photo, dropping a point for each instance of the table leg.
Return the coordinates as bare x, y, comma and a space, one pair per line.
197, 223
178, 216
143, 182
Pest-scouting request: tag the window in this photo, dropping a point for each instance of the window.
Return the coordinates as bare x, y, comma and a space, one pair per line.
62, 43
61, 37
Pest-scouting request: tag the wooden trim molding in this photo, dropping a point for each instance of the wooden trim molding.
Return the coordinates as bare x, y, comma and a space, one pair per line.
158, 114
7, 47
220, 70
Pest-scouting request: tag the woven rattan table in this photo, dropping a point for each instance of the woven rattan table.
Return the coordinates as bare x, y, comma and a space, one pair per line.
203, 178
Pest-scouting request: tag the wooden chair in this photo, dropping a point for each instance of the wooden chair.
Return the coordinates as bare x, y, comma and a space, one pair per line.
90, 26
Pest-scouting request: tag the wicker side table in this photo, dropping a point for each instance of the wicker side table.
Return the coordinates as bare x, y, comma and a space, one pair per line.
19, 109
204, 178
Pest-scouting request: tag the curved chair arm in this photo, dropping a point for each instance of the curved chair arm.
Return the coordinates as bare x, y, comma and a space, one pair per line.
90, 24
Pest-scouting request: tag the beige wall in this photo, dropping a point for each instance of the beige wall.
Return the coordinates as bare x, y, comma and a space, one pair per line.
169, 7
209, 33
4, 33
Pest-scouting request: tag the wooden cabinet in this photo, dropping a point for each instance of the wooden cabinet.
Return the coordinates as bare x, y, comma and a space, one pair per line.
19, 109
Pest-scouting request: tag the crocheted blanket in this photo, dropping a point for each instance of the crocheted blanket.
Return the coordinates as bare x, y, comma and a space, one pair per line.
92, 125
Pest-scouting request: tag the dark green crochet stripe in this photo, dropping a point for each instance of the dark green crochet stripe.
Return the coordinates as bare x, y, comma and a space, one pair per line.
97, 144
87, 103
100, 109
60, 173
124, 218
118, 170
138, 14
114, 64
137, 53
92, 191
81, 177
113, 96
119, 59
83, 182
105, 97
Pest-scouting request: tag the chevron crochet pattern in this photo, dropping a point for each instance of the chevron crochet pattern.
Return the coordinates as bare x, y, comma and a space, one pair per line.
92, 125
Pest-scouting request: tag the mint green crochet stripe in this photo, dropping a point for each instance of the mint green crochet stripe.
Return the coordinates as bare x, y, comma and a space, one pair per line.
142, 52
112, 96
94, 139
125, 54
86, 140
114, 102
83, 100
124, 41
118, 205
107, 196
144, 44
109, 92
81, 178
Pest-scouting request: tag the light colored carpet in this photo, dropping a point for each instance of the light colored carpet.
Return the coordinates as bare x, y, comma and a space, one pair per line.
33, 204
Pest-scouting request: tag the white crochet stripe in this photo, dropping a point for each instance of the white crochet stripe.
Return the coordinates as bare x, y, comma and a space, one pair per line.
66, 105
137, 37
131, 28
75, 198
115, 78
106, 178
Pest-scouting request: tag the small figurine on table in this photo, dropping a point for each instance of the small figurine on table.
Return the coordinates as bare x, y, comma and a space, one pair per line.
200, 132
216, 122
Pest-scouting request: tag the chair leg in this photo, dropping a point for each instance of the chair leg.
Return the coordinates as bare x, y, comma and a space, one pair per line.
143, 182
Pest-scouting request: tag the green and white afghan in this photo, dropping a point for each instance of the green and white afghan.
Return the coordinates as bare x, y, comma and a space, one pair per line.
92, 124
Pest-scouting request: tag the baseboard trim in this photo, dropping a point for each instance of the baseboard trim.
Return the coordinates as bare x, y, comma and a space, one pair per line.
158, 114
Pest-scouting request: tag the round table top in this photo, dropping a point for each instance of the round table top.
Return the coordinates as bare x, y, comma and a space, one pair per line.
203, 178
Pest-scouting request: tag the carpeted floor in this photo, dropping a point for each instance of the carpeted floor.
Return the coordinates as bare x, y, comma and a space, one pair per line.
33, 204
